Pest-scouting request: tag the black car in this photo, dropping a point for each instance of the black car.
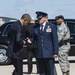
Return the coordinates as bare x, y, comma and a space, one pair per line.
4, 40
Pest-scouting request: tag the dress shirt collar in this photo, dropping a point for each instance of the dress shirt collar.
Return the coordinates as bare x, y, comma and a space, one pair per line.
44, 24
21, 22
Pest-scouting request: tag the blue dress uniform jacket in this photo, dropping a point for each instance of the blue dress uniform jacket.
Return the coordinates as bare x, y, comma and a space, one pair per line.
46, 47
46, 42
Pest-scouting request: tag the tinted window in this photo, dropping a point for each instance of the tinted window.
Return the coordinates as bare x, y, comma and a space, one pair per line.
71, 26
6, 30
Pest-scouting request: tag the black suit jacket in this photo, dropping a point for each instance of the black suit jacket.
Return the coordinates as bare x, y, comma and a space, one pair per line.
15, 47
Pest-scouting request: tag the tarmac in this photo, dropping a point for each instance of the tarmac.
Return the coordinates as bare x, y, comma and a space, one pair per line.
8, 69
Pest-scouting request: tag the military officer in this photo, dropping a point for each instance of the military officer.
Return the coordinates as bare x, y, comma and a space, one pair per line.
64, 44
46, 44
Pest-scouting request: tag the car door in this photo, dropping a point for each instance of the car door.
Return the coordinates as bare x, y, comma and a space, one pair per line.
71, 25
5, 34
4, 59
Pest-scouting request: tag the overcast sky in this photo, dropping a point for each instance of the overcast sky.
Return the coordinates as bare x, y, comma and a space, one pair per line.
15, 8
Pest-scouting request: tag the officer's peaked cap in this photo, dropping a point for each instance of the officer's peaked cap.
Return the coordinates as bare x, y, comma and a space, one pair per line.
41, 14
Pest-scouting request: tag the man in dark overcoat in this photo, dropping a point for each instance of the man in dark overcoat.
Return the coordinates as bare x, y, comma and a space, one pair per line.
16, 42
31, 47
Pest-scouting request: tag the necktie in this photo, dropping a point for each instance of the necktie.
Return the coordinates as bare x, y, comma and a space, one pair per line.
41, 28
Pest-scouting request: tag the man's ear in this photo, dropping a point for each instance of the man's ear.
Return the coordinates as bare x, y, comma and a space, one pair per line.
25, 19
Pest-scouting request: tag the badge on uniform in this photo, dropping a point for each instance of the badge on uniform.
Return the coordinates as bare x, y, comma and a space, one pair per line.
48, 29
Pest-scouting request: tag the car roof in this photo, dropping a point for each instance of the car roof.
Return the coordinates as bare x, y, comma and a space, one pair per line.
6, 23
64, 19
50, 20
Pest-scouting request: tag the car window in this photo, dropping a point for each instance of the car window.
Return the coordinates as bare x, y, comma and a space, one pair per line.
6, 30
0, 24
71, 26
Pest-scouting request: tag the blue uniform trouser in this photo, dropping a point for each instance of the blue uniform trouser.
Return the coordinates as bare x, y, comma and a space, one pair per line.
46, 66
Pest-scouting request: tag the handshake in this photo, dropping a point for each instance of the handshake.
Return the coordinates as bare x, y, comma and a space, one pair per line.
27, 40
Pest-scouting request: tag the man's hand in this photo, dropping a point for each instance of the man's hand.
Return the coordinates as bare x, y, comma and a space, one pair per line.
28, 40
24, 42
55, 56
